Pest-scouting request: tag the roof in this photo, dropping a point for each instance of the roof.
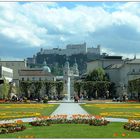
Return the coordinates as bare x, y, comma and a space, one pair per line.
34, 72
114, 66
112, 57
134, 61
12, 61
106, 58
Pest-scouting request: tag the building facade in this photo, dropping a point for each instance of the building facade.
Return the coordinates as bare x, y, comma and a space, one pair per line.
103, 62
119, 71
120, 74
72, 49
15, 66
36, 74
6, 74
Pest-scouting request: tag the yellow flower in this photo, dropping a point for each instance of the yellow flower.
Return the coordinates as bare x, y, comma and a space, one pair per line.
19, 121
37, 114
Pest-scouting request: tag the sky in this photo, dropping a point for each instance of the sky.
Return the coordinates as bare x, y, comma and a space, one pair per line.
26, 27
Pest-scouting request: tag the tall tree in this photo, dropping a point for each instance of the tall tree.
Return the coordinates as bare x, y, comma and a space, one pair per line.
89, 87
59, 87
48, 86
96, 75
78, 87
4, 90
134, 86
24, 87
37, 85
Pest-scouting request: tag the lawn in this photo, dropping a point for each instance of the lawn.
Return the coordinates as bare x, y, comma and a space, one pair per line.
117, 110
10, 111
112, 130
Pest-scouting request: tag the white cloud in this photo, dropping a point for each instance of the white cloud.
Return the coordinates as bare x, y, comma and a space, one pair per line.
49, 24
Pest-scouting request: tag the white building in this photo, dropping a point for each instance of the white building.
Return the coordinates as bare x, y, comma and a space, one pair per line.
15, 66
36, 74
120, 74
72, 49
6, 74
103, 62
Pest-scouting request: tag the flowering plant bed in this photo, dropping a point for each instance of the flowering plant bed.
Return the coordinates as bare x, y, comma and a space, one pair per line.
98, 122
12, 115
40, 123
74, 119
132, 125
2, 101
11, 128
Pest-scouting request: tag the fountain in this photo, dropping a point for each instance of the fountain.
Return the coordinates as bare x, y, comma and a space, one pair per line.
68, 96
68, 89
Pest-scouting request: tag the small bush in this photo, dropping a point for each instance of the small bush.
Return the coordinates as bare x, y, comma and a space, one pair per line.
132, 126
45, 101
11, 128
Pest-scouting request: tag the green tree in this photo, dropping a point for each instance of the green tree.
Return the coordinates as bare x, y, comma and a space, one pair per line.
4, 90
59, 87
78, 87
24, 87
48, 86
112, 90
37, 85
96, 75
89, 87
102, 87
134, 86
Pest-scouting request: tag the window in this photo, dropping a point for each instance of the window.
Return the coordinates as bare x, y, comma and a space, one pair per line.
28, 79
133, 70
39, 78
33, 78
22, 79
7, 74
7, 65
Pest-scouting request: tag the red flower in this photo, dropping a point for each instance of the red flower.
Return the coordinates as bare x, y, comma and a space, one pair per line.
123, 134
98, 117
115, 134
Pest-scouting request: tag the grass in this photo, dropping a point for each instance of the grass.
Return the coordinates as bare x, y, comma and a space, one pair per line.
128, 110
112, 130
10, 111
74, 131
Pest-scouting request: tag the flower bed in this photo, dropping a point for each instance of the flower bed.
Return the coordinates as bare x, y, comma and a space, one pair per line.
11, 128
38, 106
74, 119
132, 101
132, 125
98, 122
40, 123
121, 114
11, 114
2, 101
110, 105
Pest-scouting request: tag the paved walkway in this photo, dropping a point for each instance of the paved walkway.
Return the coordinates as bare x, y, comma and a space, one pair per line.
14, 120
69, 109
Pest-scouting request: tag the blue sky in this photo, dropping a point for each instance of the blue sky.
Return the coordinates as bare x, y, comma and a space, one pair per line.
25, 27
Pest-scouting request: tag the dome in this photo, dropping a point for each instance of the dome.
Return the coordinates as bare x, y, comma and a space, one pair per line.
45, 67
